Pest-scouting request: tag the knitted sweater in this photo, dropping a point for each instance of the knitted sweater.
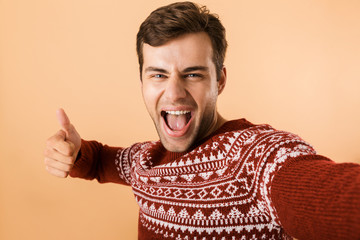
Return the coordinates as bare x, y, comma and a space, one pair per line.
244, 181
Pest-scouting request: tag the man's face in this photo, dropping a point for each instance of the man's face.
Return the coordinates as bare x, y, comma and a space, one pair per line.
180, 90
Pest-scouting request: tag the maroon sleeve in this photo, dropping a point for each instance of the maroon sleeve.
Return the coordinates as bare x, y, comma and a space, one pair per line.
316, 198
97, 161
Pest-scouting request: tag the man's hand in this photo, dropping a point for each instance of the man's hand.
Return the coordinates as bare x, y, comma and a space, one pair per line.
62, 148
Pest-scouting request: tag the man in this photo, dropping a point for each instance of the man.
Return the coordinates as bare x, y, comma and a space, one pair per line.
209, 178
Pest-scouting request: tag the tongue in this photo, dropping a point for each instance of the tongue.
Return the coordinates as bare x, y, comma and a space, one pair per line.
176, 122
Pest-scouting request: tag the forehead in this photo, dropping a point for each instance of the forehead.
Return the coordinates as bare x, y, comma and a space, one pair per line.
188, 49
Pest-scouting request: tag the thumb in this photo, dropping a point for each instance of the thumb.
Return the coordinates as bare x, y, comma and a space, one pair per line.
64, 121
67, 129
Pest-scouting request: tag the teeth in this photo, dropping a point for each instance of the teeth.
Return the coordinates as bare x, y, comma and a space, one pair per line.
177, 112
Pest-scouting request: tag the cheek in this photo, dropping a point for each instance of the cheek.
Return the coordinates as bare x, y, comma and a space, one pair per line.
204, 96
151, 96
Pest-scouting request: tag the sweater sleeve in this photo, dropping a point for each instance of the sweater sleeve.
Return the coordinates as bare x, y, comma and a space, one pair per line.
316, 198
101, 162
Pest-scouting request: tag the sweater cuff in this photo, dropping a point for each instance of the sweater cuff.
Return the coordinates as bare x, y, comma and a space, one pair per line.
82, 164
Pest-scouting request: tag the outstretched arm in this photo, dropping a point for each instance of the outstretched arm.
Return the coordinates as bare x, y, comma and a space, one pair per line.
67, 154
318, 199
98, 161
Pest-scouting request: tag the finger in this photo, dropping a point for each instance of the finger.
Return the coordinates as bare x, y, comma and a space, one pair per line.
66, 148
56, 172
53, 154
58, 143
57, 165
63, 120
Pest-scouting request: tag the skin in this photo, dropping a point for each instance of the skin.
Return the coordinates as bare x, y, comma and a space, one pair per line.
62, 148
181, 75
177, 76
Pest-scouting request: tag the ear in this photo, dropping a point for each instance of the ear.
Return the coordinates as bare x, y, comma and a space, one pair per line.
222, 80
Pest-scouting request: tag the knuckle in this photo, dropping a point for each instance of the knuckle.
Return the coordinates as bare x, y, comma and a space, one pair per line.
53, 142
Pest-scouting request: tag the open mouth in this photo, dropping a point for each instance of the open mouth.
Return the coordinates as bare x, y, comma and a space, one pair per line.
176, 120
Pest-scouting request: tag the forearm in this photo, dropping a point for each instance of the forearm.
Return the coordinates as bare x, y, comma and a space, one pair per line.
96, 161
318, 199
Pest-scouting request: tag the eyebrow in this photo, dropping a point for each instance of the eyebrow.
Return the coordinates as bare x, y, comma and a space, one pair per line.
155, 69
186, 70
195, 68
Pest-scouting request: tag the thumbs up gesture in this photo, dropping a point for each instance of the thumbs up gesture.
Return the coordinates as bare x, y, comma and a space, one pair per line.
62, 148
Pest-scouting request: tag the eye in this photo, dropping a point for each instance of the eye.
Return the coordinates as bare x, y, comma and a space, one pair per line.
158, 77
193, 75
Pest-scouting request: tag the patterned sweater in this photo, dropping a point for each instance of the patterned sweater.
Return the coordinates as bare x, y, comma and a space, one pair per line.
244, 181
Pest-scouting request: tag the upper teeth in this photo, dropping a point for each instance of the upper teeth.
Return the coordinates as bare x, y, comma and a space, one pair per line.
177, 112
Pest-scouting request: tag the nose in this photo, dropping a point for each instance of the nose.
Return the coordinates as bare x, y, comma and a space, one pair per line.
175, 89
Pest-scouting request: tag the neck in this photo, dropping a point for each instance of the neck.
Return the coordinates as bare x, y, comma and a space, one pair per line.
219, 121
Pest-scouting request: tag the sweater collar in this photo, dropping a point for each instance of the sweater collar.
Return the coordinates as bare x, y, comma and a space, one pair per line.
233, 125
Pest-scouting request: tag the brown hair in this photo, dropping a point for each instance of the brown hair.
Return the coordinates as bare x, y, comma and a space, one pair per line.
171, 21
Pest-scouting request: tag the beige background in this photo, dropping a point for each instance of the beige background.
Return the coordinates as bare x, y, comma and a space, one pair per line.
293, 64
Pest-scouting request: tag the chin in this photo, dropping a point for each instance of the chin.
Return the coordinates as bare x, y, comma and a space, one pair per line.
175, 143
173, 147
